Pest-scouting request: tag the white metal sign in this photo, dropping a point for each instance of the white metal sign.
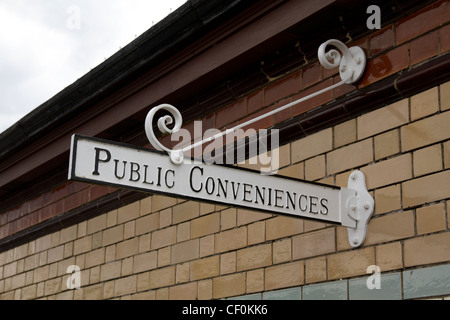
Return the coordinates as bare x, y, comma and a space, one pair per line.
104, 162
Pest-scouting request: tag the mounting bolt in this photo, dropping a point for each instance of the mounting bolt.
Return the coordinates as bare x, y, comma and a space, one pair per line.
353, 177
353, 207
355, 241
366, 206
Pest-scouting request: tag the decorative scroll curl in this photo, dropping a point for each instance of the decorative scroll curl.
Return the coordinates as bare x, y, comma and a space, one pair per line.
351, 63
163, 122
333, 55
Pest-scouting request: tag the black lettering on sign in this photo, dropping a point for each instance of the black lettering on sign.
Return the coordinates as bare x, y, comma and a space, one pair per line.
98, 159
170, 186
223, 187
260, 194
247, 192
191, 180
210, 185
291, 200
159, 177
235, 190
145, 176
134, 172
313, 201
279, 198
324, 203
300, 202
123, 171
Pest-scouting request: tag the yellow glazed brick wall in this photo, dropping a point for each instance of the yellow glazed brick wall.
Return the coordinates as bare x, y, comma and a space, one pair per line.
166, 248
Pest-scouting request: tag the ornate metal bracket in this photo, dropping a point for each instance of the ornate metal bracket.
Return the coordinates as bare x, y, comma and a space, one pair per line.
351, 64
359, 208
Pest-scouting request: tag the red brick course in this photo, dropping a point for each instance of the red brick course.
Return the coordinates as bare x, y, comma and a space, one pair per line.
48, 205
396, 47
422, 21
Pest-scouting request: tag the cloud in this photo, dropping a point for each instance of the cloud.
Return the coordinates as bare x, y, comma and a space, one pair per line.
30, 54
45, 45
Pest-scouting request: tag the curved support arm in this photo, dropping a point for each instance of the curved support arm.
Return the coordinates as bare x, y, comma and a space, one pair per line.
351, 64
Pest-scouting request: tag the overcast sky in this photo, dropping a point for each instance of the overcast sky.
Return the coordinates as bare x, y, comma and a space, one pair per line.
46, 45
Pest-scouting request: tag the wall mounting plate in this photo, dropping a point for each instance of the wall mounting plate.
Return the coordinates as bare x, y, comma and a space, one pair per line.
360, 208
354, 64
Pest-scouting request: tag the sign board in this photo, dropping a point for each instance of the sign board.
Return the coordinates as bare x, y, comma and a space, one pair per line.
115, 164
